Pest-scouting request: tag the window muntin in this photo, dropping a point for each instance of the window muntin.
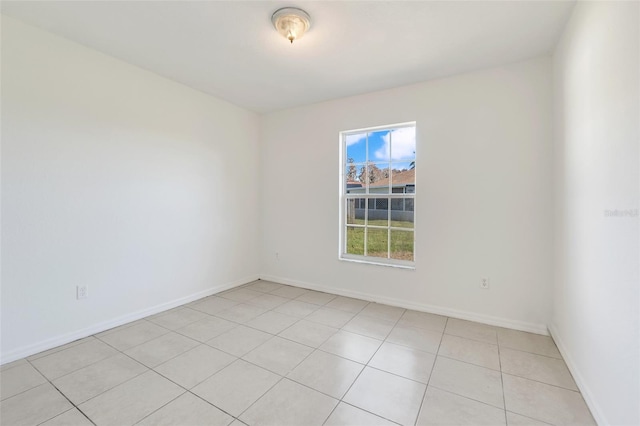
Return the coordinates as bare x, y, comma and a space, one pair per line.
377, 195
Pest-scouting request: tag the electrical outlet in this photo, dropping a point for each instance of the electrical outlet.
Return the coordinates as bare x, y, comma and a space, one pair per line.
82, 292
484, 283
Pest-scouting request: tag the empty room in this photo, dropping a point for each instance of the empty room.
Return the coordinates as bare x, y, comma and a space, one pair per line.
320, 213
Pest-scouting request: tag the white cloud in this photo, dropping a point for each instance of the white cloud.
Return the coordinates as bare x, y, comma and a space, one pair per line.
354, 139
403, 148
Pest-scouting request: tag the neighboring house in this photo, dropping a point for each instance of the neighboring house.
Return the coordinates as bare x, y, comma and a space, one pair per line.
401, 208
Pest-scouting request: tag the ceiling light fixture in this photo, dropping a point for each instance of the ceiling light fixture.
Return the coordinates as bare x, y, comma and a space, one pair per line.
291, 22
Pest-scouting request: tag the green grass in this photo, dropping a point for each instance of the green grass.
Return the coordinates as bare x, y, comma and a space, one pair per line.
383, 222
377, 240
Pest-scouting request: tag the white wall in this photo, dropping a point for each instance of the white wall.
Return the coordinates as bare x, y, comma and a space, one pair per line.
115, 178
596, 293
484, 195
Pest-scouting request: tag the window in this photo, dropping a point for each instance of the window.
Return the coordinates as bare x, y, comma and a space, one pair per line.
378, 188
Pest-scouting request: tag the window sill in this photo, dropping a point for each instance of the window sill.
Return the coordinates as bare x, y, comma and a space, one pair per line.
370, 261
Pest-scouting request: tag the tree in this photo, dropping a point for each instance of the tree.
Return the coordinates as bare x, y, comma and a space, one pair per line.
352, 171
374, 173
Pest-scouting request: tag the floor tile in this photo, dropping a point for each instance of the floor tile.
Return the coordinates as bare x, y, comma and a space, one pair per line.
61, 348
389, 396
518, 420
131, 401
471, 381
423, 320
268, 301
273, 322
195, 366
71, 359
240, 294
289, 403
296, 308
472, 330
97, 378
351, 346
237, 386
331, 317
471, 351
348, 304
528, 342
444, 408
241, 313
385, 312
33, 406
213, 304
264, 286
316, 297
240, 340
544, 402
177, 318
326, 373
161, 349
289, 292
278, 355
403, 361
206, 328
132, 336
417, 338
72, 417
540, 368
348, 415
19, 379
187, 409
377, 328
308, 333
10, 365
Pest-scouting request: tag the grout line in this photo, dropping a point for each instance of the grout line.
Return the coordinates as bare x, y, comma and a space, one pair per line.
161, 407
529, 417
504, 400
424, 395
543, 383
63, 395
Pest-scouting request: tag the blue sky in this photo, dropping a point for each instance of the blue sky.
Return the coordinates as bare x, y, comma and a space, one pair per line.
400, 146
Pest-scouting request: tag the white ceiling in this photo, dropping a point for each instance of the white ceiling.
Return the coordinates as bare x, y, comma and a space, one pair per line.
229, 49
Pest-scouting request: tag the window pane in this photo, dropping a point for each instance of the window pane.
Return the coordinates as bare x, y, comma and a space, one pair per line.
351, 182
377, 242
351, 174
403, 180
379, 146
402, 245
408, 204
354, 211
378, 212
403, 144
355, 240
402, 218
356, 147
378, 178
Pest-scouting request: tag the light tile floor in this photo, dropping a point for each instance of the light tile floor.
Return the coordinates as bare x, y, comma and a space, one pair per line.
270, 354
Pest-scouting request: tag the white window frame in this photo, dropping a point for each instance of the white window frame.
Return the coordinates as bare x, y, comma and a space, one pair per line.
342, 248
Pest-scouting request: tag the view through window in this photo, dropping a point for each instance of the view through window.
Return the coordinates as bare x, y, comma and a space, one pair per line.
378, 194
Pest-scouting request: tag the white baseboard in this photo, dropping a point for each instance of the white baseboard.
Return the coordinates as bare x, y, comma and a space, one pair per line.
589, 399
63, 339
439, 310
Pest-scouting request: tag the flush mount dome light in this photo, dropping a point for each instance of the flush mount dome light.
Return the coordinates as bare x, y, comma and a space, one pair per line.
291, 22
